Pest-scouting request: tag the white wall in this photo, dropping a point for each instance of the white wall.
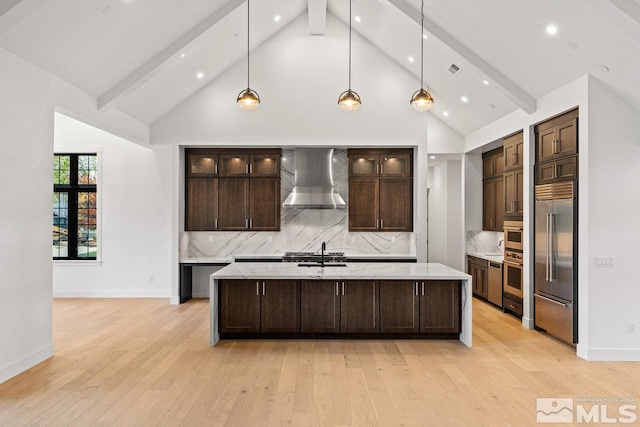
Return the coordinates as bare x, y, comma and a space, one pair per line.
26, 120
446, 214
134, 219
613, 202
29, 98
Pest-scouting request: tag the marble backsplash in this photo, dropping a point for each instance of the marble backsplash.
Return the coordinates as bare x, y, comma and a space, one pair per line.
485, 241
301, 229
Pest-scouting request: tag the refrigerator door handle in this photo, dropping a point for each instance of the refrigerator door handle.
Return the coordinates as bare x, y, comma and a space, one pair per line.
546, 267
552, 218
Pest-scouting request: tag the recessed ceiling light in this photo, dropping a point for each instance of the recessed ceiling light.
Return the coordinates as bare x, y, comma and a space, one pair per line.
183, 55
552, 30
432, 157
410, 59
464, 99
200, 75
276, 18
357, 18
425, 36
446, 114
485, 82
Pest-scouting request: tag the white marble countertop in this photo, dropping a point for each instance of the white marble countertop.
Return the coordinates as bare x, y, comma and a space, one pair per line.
277, 256
494, 257
217, 260
391, 271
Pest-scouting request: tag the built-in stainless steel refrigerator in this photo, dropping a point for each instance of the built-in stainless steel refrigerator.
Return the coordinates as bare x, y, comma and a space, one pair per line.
556, 260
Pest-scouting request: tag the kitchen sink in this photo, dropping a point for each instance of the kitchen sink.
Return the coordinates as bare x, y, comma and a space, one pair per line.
317, 264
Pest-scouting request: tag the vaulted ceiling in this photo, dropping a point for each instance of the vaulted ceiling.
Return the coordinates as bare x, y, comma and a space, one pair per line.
143, 56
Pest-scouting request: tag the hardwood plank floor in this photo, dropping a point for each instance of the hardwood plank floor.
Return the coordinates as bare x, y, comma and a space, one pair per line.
143, 362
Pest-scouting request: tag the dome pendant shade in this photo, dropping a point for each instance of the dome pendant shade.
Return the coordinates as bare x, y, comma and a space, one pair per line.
349, 100
421, 100
248, 99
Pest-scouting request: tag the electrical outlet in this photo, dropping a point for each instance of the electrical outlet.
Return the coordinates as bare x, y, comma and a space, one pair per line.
353, 239
150, 278
393, 239
210, 238
631, 327
605, 262
270, 239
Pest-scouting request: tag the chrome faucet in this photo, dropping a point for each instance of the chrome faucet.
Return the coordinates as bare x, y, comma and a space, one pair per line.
501, 244
322, 249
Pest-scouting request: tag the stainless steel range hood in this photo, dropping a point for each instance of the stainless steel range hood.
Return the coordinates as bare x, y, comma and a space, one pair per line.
314, 181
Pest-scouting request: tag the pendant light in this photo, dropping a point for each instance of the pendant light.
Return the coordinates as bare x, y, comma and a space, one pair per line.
248, 99
349, 100
421, 99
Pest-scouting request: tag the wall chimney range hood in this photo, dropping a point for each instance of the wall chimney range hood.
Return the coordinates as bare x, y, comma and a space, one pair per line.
314, 181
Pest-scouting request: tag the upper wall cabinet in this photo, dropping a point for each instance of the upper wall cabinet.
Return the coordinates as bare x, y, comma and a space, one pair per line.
232, 190
385, 163
513, 149
493, 163
380, 190
492, 190
557, 138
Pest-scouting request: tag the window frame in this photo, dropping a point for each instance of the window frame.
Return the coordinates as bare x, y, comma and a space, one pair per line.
73, 189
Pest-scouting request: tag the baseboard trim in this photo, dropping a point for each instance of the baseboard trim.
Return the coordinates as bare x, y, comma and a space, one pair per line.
25, 363
608, 354
174, 301
527, 323
112, 294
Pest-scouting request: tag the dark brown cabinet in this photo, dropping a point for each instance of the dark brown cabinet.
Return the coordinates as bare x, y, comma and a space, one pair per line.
478, 269
280, 306
400, 307
239, 306
493, 163
380, 190
514, 194
232, 190
320, 306
440, 304
558, 170
557, 138
253, 306
493, 204
513, 151
360, 305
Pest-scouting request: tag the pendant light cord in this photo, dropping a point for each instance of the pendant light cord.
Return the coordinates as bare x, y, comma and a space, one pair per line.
248, 2
350, 1
422, 47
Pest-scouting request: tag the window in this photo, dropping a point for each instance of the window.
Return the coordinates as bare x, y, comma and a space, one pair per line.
74, 207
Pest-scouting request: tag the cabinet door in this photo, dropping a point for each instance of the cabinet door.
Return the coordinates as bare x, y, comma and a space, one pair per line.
320, 306
359, 305
395, 165
518, 203
202, 164
513, 152
395, 205
440, 307
201, 213
280, 306
264, 204
488, 205
399, 306
364, 165
483, 280
265, 165
239, 306
510, 193
567, 142
232, 203
233, 165
498, 161
363, 204
545, 145
498, 185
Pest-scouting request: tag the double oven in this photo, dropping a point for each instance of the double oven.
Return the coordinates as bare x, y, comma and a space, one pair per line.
513, 278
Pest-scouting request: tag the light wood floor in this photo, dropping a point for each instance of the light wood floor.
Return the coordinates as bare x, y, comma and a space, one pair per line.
144, 362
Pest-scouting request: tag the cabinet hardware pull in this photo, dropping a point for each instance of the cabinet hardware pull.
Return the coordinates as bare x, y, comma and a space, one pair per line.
342, 288
250, 222
416, 287
377, 169
514, 157
215, 168
246, 223
381, 223
250, 168
215, 223
555, 171
512, 306
377, 224
246, 169
258, 288
264, 288
422, 288
337, 292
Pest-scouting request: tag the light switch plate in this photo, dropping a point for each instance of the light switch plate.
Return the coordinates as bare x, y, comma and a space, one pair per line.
605, 261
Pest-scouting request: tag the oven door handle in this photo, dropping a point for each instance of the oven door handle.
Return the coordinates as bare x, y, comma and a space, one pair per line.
515, 264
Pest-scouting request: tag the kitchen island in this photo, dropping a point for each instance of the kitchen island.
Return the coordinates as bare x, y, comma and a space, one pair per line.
369, 300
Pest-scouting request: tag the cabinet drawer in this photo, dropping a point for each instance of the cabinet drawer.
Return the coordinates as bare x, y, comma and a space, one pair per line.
512, 305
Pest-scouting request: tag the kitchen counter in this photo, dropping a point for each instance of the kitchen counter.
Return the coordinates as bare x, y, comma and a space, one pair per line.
493, 257
354, 271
